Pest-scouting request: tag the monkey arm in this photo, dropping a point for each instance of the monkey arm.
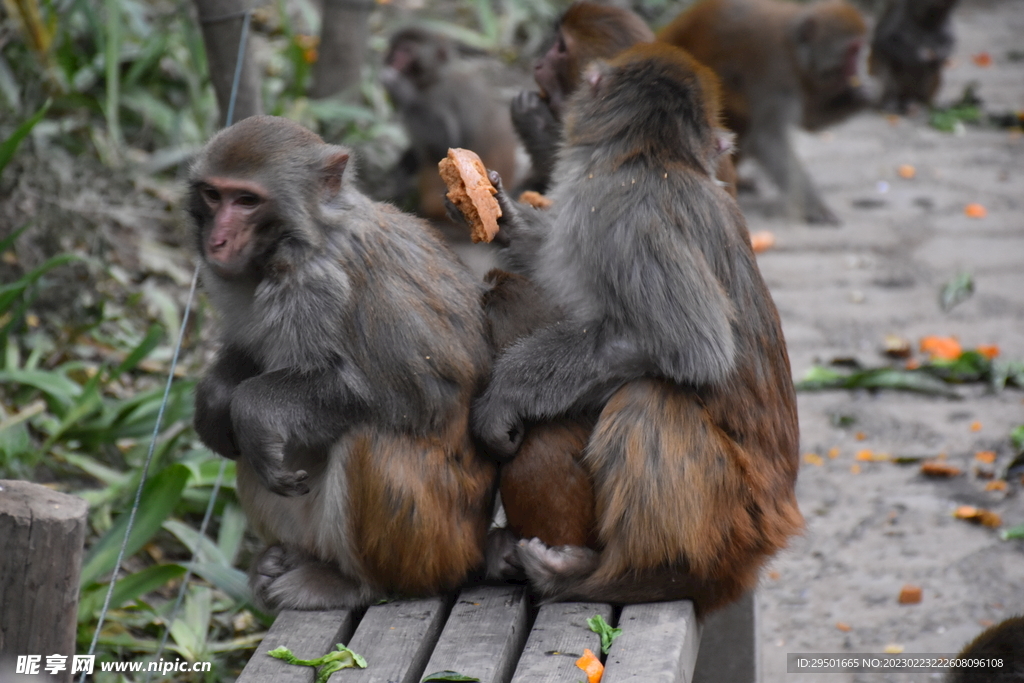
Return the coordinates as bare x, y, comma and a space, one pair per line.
562, 368
214, 392
540, 133
278, 410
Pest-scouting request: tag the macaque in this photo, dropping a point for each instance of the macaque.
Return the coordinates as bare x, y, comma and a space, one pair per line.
664, 356
443, 102
352, 345
546, 491
781, 64
911, 42
587, 31
1005, 642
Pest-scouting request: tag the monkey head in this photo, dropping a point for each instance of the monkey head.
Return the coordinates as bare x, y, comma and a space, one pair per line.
253, 193
652, 99
587, 31
416, 55
827, 38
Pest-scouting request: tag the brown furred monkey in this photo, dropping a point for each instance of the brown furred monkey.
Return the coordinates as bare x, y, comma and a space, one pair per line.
443, 102
353, 342
781, 64
909, 46
586, 31
667, 339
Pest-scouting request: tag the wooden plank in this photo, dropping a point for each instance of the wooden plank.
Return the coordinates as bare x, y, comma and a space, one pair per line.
728, 644
658, 644
484, 634
396, 640
308, 635
557, 639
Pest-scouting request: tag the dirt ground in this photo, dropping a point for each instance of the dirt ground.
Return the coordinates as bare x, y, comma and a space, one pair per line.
839, 292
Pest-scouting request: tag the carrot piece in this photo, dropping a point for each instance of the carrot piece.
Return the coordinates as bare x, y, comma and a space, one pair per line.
591, 665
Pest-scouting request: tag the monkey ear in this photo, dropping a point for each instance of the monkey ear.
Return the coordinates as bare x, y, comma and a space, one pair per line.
333, 169
724, 141
592, 76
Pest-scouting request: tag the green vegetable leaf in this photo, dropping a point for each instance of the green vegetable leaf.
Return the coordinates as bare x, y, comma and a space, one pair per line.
608, 633
340, 658
448, 676
956, 291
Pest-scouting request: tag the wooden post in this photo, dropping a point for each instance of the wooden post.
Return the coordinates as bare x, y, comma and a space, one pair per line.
42, 533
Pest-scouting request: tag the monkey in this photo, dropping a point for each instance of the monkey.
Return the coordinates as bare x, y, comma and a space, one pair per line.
665, 339
551, 452
352, 344
1005, 642
911, 42
443, 102
585, 32
781, 65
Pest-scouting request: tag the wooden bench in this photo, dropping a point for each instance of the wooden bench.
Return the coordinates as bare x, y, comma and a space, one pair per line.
493, 633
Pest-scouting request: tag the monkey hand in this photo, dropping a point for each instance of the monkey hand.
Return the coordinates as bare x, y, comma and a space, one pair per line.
537, 127
497, 425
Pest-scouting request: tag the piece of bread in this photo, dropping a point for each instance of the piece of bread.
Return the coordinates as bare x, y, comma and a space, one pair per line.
535, 199
471, 191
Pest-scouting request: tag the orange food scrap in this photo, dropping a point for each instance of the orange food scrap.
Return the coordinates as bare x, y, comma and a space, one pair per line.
933, 468
910, 594
943, 348
976, 426
860, 436
762, 240
845, 628
978, 516
591, 665
990, 351
912, 364
982, 59
893, 649
535, 199
868, 455
893, 119
833, 453
813, 459
855, 469
975, 211
988, 457
997, 485
774, 575
906, 171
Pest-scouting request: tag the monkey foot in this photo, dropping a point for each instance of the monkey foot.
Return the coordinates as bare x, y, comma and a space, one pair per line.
548, 567
284, 577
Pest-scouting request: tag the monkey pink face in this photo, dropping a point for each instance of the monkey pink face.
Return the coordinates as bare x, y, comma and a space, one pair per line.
234, 206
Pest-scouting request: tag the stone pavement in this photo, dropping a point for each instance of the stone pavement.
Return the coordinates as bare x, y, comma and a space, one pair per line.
839, 292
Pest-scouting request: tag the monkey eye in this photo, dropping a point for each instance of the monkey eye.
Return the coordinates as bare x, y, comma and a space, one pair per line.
210, 194
248, 200
561, 44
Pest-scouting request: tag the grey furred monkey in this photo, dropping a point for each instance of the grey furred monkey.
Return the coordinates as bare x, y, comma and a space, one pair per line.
352, 344
666, 356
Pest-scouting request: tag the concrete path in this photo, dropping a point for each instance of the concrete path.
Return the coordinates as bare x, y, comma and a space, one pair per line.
839, 292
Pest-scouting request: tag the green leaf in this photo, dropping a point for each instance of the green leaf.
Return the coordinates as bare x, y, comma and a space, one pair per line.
232, 581
159, 497
128, 588
152, 338
448, 676
1012, 532
51, 383
956, 291
1017, 438
601, 627
340, 658
10, 145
